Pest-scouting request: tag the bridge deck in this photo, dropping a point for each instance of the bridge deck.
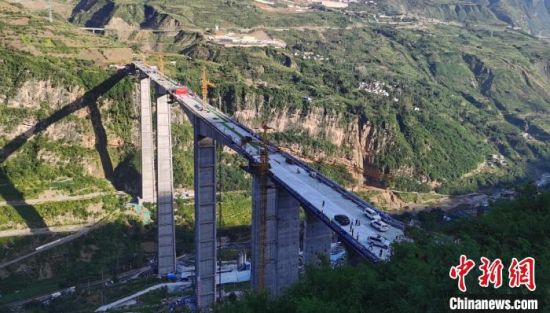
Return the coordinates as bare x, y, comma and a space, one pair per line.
304, 183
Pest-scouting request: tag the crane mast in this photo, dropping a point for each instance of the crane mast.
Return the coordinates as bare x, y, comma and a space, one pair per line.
205, 83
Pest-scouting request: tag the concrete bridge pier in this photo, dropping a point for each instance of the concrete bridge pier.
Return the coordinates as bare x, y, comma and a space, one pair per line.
288, 239
205, 219
166, 245
147, 144
317, 239
275, 236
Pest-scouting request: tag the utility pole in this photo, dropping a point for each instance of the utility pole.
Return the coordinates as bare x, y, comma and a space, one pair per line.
50, 13
161, 63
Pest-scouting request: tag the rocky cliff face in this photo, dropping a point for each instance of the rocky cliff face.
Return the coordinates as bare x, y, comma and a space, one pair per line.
32, 96
359, 141
100, 13
85, 139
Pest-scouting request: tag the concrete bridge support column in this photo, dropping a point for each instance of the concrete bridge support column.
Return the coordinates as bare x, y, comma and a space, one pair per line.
166, 248
264, 234
275, 237
352, 257
288, 239
205, 219
147, 145
317, 239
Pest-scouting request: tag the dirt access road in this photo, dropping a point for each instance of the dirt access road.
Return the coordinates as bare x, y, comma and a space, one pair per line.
57, 199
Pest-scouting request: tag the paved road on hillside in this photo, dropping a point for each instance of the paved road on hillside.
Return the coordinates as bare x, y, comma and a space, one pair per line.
58, 199
56, 243
44, 231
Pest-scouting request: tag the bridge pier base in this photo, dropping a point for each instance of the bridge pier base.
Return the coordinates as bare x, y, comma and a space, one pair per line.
205, 220
166, 248
275, 237
352, 257
317, 239
147, 145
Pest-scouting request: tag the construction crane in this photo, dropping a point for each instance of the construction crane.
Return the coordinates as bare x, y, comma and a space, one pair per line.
205, 83
263, 173
161, 63
264, 156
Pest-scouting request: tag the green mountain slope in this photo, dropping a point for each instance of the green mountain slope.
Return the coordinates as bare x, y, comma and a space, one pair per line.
466, 107
192, 14
532, 16
455, 98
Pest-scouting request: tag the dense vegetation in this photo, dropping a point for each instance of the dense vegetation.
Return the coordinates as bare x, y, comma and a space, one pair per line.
417, 278
58, 161
456, 96
87, 259
57, 213
231, 176
236, 209
453, 101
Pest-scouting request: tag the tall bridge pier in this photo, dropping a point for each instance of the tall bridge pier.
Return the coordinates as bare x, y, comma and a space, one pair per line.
205, 217
275, 236
158, 189
275, 212
166, 245
317, 239
278, 191
147, 144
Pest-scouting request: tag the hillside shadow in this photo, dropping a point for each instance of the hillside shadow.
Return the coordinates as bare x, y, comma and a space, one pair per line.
9, 191
127, 176
15, 199
101, 141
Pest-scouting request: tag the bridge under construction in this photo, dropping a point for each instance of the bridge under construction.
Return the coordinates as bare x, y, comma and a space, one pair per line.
281, 184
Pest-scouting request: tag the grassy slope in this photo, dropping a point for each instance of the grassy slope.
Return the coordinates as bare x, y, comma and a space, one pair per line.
31, 32
26, 170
